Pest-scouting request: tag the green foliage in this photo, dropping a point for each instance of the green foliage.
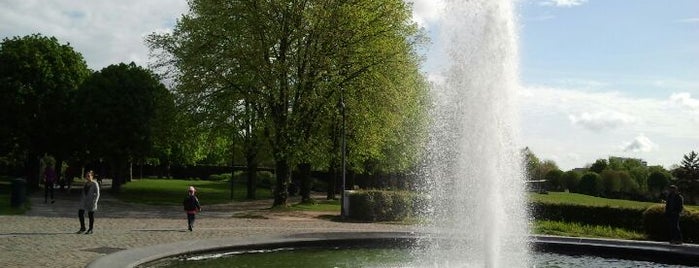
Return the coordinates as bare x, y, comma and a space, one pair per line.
555, 179
620, 217
538, 170
611, 182
125, 112
282, 68
38, 77
656, 224
591, 184
599, 166
571, 179
376, 205
657, 181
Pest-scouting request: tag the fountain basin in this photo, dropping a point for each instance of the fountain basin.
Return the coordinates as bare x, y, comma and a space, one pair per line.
657, 252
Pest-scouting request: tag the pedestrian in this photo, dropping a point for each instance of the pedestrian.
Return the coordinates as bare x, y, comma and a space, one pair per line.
88, 201
673, 207
191, 206
49, 180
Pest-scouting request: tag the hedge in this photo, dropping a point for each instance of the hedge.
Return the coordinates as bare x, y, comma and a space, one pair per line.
377, 205
627, 218
656, 226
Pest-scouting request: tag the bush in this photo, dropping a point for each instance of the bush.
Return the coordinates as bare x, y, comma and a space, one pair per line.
219, 177
657, 228
571, 179
376, 205
627, 218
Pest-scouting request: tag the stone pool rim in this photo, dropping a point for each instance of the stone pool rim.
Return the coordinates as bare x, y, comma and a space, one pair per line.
662, 252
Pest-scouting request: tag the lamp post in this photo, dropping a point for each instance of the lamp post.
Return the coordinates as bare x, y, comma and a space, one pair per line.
343, 206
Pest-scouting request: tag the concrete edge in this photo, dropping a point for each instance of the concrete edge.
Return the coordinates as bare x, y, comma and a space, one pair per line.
137, 256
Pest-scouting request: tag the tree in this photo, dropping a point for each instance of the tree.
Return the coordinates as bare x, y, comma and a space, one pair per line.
555, 179
657, 181
611, 182
37, 77
689, 167
599, 166
571, 179
292, 62
688, 176
629, 186
120, 106
591, 184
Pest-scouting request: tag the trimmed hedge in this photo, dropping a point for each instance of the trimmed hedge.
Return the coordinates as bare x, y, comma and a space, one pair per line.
377, 205
627, 218
657, 228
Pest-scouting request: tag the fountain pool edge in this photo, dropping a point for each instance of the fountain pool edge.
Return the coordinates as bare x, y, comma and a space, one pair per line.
687, 254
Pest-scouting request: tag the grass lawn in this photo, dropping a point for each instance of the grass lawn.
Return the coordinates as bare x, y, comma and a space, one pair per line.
581, 199
171, 192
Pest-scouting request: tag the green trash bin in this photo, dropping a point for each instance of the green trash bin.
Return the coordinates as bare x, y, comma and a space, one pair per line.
18, 193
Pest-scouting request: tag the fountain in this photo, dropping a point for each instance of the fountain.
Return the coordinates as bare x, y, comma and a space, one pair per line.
477, 214
473, 170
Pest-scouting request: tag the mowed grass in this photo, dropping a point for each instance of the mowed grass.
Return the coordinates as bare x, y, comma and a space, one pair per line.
586, 200
171, 192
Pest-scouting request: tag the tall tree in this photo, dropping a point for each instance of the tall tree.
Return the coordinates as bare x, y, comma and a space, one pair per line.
599, 165
37, 77
120, 105
292, 61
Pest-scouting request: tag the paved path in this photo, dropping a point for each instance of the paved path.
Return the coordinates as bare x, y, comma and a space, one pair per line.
45, 236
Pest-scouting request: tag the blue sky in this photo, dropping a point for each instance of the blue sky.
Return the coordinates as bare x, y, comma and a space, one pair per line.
599, 78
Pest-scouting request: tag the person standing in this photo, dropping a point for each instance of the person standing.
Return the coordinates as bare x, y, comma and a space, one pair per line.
673, 207
49, 181
88, 202
191, 206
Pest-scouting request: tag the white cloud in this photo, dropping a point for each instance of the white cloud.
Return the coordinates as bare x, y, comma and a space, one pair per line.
563, 3
640, 144
602, 120
685, 100
545, 116
426, 12
688, 20
105, 32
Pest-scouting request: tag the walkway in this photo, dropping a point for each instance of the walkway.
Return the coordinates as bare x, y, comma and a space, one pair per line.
45, 236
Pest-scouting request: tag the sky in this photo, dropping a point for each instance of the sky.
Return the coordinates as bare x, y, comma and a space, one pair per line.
599, 78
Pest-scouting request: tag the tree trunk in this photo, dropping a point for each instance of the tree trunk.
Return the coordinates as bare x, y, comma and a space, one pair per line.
332, 184
305, 178
31, 171
120, 172
281, 190
251, 159
130, 175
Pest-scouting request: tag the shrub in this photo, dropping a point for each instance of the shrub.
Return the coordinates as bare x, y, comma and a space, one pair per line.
376, 205
656, 226
220, 177
627, 218
555, 179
